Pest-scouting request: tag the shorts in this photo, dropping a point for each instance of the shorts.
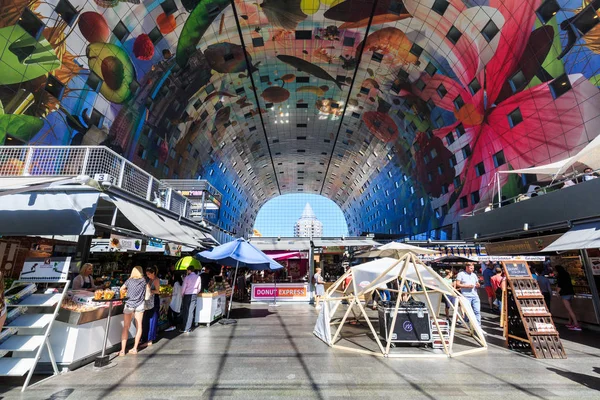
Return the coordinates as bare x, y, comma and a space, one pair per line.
568, 297
490, 292
449, 300
130, 310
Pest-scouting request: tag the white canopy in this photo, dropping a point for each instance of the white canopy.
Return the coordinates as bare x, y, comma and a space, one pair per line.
366, 274
589, 155
397, 250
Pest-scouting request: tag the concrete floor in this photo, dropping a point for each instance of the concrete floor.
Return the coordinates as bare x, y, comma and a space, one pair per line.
271, 353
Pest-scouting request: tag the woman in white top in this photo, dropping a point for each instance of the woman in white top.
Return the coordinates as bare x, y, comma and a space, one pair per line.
175, 306
85, 280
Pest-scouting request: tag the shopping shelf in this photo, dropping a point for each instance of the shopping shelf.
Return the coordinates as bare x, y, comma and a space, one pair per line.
39, 300
37, 321
15, 366
22, 343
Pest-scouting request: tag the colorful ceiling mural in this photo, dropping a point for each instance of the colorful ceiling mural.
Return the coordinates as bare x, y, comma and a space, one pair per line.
400, 111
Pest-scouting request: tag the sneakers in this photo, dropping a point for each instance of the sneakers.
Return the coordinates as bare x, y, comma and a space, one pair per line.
171, 329
574, 328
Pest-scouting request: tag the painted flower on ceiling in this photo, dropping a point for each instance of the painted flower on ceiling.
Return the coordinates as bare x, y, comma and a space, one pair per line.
495, 109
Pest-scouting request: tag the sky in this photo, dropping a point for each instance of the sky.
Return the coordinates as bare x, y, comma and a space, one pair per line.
278, 216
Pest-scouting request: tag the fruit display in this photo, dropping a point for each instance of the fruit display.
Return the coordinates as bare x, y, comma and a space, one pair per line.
107, 294
77, 307
166, 290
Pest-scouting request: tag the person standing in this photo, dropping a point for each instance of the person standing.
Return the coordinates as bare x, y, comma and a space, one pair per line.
175, 306
487, 274
85, 280
545, 286
566, 292
498, 286
151, 315
468, 283
134, 308
319, 287
189, 293
448, 300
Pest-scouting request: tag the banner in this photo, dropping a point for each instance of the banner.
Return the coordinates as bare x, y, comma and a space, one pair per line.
46, 269
122, 243
285, 292
172, 249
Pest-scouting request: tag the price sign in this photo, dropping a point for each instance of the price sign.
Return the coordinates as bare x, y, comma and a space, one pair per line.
516, 269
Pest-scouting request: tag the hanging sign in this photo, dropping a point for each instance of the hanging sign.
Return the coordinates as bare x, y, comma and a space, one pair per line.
172, 249
122, 243
46, 269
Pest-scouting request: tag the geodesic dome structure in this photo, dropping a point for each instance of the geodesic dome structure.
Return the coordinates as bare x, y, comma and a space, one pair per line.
421, 282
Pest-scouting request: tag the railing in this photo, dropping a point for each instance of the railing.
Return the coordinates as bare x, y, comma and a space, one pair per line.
566, 181
97, 162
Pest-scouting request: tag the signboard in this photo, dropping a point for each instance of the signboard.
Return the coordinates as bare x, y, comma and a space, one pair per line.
172, 249
46, 269
122, 243
595, 263
516, 269
285, 292
521, 246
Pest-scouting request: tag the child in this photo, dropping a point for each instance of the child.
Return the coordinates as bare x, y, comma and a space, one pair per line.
175, 306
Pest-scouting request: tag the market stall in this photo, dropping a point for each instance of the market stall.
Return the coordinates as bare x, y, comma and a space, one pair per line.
83, 321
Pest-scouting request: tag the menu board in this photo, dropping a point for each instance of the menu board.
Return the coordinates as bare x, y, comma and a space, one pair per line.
54, 269
516, 269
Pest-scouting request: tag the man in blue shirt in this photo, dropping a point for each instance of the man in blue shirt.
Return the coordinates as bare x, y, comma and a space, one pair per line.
467, 282
487, 284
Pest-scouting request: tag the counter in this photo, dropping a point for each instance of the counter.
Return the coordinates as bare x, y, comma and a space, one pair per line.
210, 307
76, 337
583, 308
286, 292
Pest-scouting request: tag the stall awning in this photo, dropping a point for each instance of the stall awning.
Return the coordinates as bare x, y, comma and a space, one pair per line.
263, 243
155, 225
345, 243
48, 213
584, 236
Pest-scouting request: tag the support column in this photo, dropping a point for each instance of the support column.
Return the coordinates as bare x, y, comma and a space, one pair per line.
587, 266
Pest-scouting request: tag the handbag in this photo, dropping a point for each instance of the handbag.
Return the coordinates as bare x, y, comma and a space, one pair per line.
148, 298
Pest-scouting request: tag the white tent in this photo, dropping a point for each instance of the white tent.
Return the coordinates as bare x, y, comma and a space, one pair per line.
396, 250
589, 155
373, 276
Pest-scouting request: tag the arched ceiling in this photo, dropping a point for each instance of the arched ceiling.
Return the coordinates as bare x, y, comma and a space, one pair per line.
399, 111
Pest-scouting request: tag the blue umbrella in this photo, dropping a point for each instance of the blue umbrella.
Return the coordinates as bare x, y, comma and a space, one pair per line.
238, 253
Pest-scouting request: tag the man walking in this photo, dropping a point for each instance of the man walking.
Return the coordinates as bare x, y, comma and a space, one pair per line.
467, 282
189, 291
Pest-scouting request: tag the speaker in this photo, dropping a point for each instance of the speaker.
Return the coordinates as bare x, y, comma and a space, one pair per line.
412, 324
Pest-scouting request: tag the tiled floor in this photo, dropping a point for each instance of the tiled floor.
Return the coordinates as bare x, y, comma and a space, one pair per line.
271, 353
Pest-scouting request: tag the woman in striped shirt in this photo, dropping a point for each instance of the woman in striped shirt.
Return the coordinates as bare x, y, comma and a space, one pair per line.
134, 308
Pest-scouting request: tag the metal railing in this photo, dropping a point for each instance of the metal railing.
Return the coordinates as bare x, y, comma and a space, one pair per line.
97, 162
565, 181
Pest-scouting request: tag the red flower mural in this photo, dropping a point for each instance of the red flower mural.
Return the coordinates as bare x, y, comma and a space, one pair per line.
529, 126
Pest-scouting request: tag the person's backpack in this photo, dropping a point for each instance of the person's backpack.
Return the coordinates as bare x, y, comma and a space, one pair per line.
313, 280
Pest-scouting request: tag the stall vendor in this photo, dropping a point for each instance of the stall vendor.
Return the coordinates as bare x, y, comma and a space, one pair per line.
85, 280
